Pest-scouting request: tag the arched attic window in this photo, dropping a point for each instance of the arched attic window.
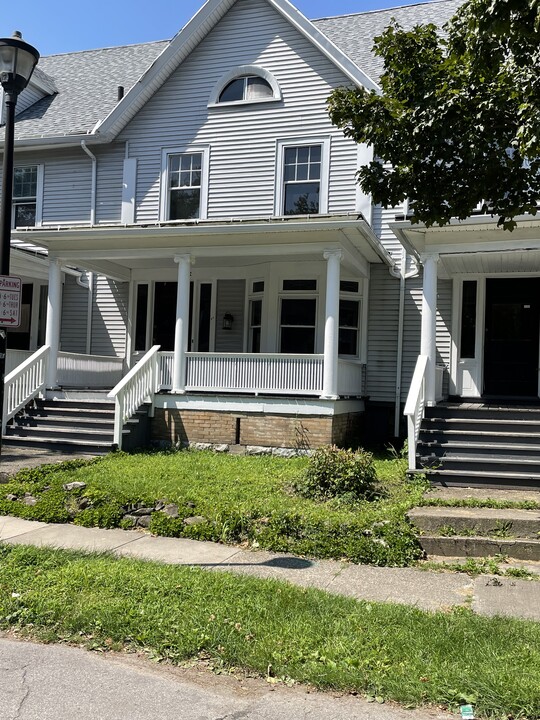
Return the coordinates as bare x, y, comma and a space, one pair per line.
244, 85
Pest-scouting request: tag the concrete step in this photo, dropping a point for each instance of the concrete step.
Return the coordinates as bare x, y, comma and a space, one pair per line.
442, 435
521, 549
483, 425
46, 432
33, 420
481, 521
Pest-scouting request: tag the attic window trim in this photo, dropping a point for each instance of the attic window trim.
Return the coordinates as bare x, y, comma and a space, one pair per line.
240, 72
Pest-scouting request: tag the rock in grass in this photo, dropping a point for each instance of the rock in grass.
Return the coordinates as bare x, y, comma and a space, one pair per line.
143, 521
74, 486
171, 510
29, 500
11, 496
4, 478
195, 520
142, 511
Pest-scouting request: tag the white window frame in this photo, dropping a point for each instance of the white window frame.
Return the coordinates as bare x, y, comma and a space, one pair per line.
39, 194
237, 73
355, 296
281, 146
166, 153
254, 295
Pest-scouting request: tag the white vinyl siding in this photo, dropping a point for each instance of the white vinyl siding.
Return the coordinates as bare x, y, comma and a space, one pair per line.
110, 169
74, 316
109, 315
230, 299
243, 137
383, 332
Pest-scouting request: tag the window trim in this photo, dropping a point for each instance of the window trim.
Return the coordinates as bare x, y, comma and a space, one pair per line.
237, 73
164, 204
356, 296
281, 146
40, 168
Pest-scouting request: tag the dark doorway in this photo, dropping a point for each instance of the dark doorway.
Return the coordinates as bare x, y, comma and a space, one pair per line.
512, 337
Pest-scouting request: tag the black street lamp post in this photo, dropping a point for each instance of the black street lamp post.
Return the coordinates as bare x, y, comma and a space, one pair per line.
17, 63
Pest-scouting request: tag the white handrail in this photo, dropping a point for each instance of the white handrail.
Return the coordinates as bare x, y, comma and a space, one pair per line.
414, 407
138, 386
24, 383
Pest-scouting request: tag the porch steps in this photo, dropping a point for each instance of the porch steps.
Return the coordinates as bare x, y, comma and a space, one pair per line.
479, 444
478, 532
69, 425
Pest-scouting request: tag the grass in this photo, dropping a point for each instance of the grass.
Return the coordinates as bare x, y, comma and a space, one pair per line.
242, 500
274, 629
482, 566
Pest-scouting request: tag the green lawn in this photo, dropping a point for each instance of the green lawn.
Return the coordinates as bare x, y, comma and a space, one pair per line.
274, 629
241, 498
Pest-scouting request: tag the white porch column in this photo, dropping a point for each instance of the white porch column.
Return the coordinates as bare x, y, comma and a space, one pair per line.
429, 323
54, 311
182, 324
331, 327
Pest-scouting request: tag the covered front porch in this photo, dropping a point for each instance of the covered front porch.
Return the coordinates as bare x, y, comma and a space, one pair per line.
238, 309
491, 339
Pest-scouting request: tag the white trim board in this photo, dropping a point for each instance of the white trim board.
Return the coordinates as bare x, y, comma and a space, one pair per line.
275, 406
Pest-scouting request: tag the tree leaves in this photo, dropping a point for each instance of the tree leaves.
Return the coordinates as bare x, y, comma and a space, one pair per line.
458, 121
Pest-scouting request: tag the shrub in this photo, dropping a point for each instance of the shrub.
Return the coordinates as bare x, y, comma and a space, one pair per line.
336, 473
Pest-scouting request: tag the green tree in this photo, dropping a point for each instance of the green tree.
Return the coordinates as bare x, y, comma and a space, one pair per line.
457, 121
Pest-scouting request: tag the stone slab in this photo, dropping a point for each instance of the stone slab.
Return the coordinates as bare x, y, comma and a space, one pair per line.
11, 527
507, 596
73, 537
177, 551
480, 547
465, 493
517, 523
408, 586
299, 571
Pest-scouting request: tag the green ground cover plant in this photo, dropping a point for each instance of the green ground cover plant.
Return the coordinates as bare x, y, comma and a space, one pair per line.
229, 499
274, 629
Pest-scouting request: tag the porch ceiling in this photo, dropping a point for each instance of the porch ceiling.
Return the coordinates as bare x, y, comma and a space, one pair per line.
490, 263
116, 251
477, 234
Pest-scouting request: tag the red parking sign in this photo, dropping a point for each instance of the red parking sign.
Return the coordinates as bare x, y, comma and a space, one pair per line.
10, 301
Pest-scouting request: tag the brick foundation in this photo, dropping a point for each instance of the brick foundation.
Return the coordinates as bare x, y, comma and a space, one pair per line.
298, 431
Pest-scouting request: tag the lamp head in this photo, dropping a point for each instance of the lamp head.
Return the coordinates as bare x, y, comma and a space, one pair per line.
17, 62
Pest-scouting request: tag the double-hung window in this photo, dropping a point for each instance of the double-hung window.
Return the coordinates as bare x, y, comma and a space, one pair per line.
302, 177
185, 184
27, 184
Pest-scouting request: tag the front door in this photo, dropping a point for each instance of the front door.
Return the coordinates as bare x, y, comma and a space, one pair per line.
512, 337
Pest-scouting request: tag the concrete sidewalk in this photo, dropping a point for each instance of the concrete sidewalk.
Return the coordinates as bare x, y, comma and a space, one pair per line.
487, 595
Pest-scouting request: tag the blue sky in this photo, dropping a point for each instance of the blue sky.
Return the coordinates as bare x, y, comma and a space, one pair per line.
58, 26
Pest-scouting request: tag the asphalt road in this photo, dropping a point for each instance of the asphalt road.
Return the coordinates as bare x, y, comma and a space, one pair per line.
55, 682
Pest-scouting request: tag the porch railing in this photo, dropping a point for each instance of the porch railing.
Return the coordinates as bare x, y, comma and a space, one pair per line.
271, 373
89, 371
24, 383
137, 387
414, 407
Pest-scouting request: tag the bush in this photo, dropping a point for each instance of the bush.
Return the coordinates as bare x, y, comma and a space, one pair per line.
336, 473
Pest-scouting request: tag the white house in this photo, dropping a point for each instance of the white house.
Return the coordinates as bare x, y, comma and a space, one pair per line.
209, 251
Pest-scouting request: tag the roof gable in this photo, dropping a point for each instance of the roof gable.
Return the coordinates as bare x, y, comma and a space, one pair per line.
189, 38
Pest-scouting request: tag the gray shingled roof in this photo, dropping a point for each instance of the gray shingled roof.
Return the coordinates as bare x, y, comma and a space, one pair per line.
87, 85
88, 81
354, 34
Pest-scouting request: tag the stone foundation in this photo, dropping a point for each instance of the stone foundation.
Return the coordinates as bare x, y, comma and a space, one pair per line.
303, 432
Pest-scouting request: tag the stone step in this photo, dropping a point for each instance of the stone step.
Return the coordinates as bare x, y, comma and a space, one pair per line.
521, 549
482, 521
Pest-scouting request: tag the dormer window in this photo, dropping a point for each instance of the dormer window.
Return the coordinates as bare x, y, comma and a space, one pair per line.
250, 88
244, 85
